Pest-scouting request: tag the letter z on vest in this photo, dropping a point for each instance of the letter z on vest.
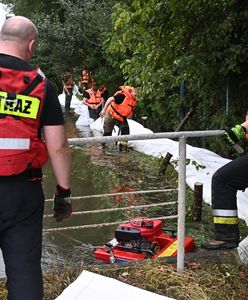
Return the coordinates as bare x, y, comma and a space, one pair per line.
22, 106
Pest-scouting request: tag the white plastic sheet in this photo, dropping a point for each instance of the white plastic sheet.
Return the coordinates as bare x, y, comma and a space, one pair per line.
209, 160
93, 286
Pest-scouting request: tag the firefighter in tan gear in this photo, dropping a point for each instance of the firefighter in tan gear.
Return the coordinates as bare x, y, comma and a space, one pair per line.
225, 183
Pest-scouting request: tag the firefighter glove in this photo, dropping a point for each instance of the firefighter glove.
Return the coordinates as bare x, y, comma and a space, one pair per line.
233, 135
62, 207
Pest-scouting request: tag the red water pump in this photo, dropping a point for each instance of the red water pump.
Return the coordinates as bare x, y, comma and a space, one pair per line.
139, 239
139, 235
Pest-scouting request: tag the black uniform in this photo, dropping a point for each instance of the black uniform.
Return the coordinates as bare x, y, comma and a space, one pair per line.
21, 211
225, 183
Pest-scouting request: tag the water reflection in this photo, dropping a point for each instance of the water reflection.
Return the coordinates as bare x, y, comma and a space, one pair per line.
86, 179
94, 171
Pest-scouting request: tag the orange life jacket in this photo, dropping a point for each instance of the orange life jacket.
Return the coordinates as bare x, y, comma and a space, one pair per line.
102, 90
85, 76
22, 96
125, 109
94, 98
69, 84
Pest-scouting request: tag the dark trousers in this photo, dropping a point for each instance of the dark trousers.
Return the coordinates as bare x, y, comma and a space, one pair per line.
94, 113
68, 97
225, 183
110, 122
21, 215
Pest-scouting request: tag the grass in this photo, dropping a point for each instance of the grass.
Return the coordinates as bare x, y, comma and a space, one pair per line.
200, 281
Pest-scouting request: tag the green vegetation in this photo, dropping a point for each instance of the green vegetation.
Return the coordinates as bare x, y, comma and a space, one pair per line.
181, 54
201, 280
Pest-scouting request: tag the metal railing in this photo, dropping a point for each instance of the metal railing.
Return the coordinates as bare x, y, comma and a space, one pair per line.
182, 137
84, 212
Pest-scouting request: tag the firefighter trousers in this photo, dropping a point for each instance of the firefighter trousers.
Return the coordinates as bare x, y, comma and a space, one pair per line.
110, 122
21, 215
225, 183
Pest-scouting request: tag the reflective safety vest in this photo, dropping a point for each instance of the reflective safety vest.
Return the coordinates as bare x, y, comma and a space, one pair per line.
94, 98
22, 95
124, 110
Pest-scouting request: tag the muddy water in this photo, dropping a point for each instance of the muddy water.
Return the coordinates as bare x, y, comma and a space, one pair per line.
94, 171
87, 178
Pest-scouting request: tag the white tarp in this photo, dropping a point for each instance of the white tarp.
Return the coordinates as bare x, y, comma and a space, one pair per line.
203, 157
75, 102
91, 286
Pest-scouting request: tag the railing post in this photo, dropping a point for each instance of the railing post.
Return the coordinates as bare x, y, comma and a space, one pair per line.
181, 203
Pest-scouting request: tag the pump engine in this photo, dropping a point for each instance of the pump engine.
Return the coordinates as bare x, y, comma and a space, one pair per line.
139, 236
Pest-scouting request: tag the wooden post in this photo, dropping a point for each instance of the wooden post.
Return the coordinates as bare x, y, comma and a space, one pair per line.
185, 119
165, 163
197, 204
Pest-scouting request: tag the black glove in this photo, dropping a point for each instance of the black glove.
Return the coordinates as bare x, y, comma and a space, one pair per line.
62, 204
233, 135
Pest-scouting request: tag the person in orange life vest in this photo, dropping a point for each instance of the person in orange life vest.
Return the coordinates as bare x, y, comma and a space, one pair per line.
85, 76
68, 85
32, 129
118, 109
104, 92
93, 99
226, 181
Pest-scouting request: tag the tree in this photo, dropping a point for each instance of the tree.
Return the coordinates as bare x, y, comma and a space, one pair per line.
202, 43
71, 35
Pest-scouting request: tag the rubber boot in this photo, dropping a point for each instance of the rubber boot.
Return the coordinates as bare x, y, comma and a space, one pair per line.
105, 134
226, 237
122, 145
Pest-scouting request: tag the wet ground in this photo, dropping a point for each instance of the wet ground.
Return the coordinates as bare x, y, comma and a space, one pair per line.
98, 171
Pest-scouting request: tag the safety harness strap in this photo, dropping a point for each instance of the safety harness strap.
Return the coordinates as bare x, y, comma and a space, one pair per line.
118, 112
39, 77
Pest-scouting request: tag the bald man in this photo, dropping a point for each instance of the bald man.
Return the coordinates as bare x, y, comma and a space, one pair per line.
32, 129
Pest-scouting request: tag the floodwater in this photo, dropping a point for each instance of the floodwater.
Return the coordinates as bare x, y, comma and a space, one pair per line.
87, 178
96, 171
75, 246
